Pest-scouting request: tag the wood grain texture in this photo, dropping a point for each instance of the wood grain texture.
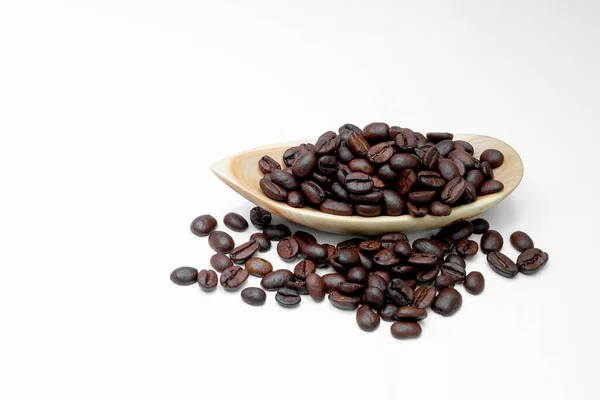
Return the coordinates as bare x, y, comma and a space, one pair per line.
241, 173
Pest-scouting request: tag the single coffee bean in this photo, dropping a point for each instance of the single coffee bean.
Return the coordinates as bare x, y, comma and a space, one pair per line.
461, 168
444, 147
277, 232
203, 225
470, 193
373, 197
521, 241
475, 177
454, 271
490, 187
288, 248
402, 161
491, 241
423, 297
312, 192
331, 281
290, 155
410, 313
285, 179
439, 209
367, 319
378, 183
456, 231
417, 210
393, 203
447, 169
474, 282
386, 173
260, 218
370, 246
336, 208
400, 292
315, 287
404, 272
233, 277
502, 265
220, 262
243, 252
184, 276
486, 170
298, 286
368, 210
306, 148
404, 138
357, 275
258, 266
424, 260
402, 249
422, 196
493, 156
327, 143
375, 297
235, 222
405, 330
267, 164
447, 302
428, 246
388, 311
389, 239
254, 296
220, 241
531, 261
453, 190
340, 192
376, 132
465, 158
342, 172
428, 276
303, 269
287, 297
357, 143
480, 226
350, 289
377, 281
343, 302
437, 137
207, 279
314, 252
455, 258
304, 164
466, 146
444, 281
386, 258
466, 247
380, 153
272, 190
263, 241
349, 128
359, 183
406, 181
344, 154
275, 280
431, 158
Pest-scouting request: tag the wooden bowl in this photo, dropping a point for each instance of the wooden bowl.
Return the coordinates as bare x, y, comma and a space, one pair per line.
240, 172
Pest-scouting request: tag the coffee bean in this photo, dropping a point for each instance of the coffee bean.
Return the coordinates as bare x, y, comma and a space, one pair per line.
359, 183
447, 302
465, 158
455, 258
303, 269
456, 231
327, 143
531, 261
376, 132
388, 311
491, 241
221, 242
380, 153
344, 154
298, 286
404, 138
423, 297
367, 210
410, 313
444, 281
267, 164
331, 281
386, 258
290, 155
490, 187
258, 266
367, 319
466, 146
400, 292
454, 271
406, 181
349, 128
386, 173
184, 276
263, 241
220, 262
350, 289
427, 277
474, 282
343, 302
304, 164
272, 190
493, 156
453, 190
436, 137
480, 225
277, 232
470, 194
259, 217
423, 260
243, 252
422, 196
486, 170
288, 248
439, 209
358, 144
207, 279
416, 210
521, 241
306, 148
315, 287
375, 297
402, 161
393, 203
373, 197
461, 168
254, 296
402, 249
312, 192
336, 208
233, 277
428, 246
203, 225
389, 239
502, 265
287, 297
466, 247
431, 157
475, 177
276, 279
357, 275
405, 330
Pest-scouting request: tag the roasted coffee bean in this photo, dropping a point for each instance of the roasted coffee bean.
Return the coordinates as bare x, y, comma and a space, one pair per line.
410, 313
404, 271
327, 143
304, 238
466, 146
344, 155
424, 260
466, 247
428, 276
287, 297
490, 187
288, 248
353, 243
203, 225
368, 210
474, 282
357, 143
521, 241
304, 164
272, 190
437, 137
453, 190
465, 158
445, 147
411, 283
340, 192
493, 156
502, 264
470, 194
402, 249
331, 281
367, 319
220, 262
336, 208
303, 269
306, 148
290, 155
444, 281
275, 280
386, 173
314, 252
405, 330
327, 165
386, 275
531, 261
233, 277
370, 246
285, 179
348, 257
277, 232
312, 192
315, 287
375, 297
267, 164
456, 231
388, 311
422, 196
298, 286
491, 241
235, 222
461, 168
254, 296
431, 157
184, 276
349, 128
428, 246
386, 258
416, 210
357, 275
439, 209
343, 302
342, 172
376, 132
377, 281
424, 296
404, 138
447, 302
475, 177
220, 241
380, 153
359, 183
260, 218
393, 203
455, 258
454, 271
402, 161
258, 266
322, 180
480, 226
486, 170
399, 291
263, 241
448, 169
207, 279
389, 239
373, 197
406, 181
350, 289
244, 252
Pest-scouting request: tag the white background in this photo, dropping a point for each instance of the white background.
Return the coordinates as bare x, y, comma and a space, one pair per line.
111, 113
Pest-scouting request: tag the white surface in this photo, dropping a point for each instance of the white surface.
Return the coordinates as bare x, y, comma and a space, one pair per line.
112, 111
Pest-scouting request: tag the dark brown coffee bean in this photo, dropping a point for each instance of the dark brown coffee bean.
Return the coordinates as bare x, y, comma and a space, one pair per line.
220, 262
386, 173
377, 281
303, 269
428, 276
287, 297
480, 225
531, 261
367, 319
461, 168
380, 153
263, 241
272, 190
344, 154
288, 248
502, 265
304, 164
466, 247
444, 281
315, 287
388, 311
378, 183
254, 296
349, 128
474, 282
290, 155
244, 252
455, 231
376, 132
375, 297
351, 289
353, 243
393, 203
359, 183
410, 313
465, 158
428, 246
493, 156
444, 147
343, 302
491, 241
267, 164
312, 192
447, 302
370, 246
327, 143
404, 271
402, 161
233, 277
386, 258
373, 197
466, 146
436, 137
406, 181
389, 239
276, 279
368, 210
258, 266
470, 194
342, 172
361, 165
298, 286
184, 276
357, 275
416, 210
454, 271
306, 148
207, 279
405, 330
431, 157
455, 258
422, 196
475, 177
336, 208
235, 222
424, 296
439, 209
331, 281
404, 138
486, 170
221, 242
285, 179
277, 232
521, 241
358, 144
447, 169
203, 225
490, 187
453, 190
399, 291
402, 249
424, 260
431, 179
260, 218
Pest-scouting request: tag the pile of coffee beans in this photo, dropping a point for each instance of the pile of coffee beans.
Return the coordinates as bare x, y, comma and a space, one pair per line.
384, 277
381, 170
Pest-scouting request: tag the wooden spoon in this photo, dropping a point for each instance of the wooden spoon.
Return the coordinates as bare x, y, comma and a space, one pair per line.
241, 173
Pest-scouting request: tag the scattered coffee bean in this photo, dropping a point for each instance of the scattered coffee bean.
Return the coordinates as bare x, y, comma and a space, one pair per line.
258, 266
491, 241
203, 225
474, 282
184, 276
235, 222
343, 302
254, 296
466, 247
243, 252
444, 281
405, 330
447, 302
531, 261
287, 297
502, 265
233, 277
332, 281
277, 232
263, 241
493, 156
480, 226
521, 241
288, 248
220, 262
276, 279
303, 269
315, 287
489, 187
260, 218
221, 242
423, 297
410, 313
367, 319
207, 279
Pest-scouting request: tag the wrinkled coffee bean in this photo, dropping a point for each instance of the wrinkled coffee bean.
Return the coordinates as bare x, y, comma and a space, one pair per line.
288, 248
423, 297
207, 279
233, 277
453, 270
272, 190
203, 225
260, 218
465, 247
531, 261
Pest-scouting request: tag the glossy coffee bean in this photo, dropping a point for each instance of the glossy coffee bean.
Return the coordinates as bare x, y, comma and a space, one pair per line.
447, 169
233, 277
469, 195
290, 155
399, 292
327, 143
465, 247
426, 277
287, 297
422, 196
393, 203
220, 262
276, 279
453, 270
428, 246
304, 238
389, 239
466, 146
367, 319
489, 187
401, 161
437, 137
288, 248
272, 190
465, 158
267, 164
493, 156
444, 147
386, 173
263, 241
404, 139
410, 313
474, 282
380, 153
444, 281
373, 197
475, 177
402, 249
304, 165
343, 302
447, 302
423, 297
277, 232
405, 330
184, 276
258, 266
491, 241
417, 210
285, 179
486, 170
331, 281
254, 296
312, 192
388, 311
298, 286
480, 226
375, 297
207, 279
368, 210
439, 209
243, 252
531, 261
455, 258
315, 287
358, 183
260, 218
351, 289
521, 241
406, 181
386, 258
203, 225
361, 165
376, 132
357, 275
453, 190
221, 242
303, 269
345, 155
358, 144
502, 264
424, 260
336, 208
